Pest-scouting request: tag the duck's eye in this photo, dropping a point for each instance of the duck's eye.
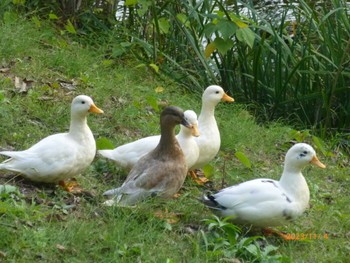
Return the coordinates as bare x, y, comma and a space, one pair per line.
217, 92
305, 152
83, 102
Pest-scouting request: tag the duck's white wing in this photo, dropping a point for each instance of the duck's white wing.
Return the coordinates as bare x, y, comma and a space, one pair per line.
259, 202
128, 154
51, 157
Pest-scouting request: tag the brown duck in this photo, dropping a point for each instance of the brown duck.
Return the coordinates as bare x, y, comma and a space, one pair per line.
161, 172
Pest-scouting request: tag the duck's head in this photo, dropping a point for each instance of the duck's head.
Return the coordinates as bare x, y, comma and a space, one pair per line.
172, 116
214, 94
301, 154
83, 104
191, 118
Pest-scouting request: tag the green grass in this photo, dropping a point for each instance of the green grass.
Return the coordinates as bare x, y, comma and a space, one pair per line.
45, 224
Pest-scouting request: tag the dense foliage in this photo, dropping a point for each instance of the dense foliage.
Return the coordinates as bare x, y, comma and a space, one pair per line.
290, 62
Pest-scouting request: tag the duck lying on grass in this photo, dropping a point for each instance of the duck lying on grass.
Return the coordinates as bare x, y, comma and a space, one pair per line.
128, 154
59, 156
266, 202
161, 172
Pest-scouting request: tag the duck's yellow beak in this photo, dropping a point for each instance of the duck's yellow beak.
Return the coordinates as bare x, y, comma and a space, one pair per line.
195, 131
93, 108
227, 98
317, 162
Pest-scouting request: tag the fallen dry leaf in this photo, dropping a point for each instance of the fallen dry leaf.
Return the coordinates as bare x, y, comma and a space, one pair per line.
22, 85
169, 217
4, 70
60, 247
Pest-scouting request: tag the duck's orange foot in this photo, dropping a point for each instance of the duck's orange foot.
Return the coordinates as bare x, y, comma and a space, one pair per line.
274, 232
200, 179
71, 186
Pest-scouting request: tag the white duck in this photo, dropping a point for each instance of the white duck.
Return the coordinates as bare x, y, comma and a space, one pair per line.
161, 172
209, 142
59, 156
266, 202
128, 154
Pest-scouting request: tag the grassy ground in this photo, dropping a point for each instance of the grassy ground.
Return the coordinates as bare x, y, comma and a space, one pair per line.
46, 224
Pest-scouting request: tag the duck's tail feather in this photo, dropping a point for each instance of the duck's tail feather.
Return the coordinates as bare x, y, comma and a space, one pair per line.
106, 153
209, 200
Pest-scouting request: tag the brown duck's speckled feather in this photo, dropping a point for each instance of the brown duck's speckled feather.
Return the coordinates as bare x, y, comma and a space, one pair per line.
162, 171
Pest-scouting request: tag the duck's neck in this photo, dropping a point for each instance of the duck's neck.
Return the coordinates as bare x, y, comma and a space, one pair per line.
168, 142
207, 112
293, 181
78, 125
185, 132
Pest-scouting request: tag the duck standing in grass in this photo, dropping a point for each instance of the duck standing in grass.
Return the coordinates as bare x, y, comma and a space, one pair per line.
266, 202
161, 172
128, 154
209, 140
59, 156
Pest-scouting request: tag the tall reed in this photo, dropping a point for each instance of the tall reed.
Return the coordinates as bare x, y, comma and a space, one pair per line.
292, 68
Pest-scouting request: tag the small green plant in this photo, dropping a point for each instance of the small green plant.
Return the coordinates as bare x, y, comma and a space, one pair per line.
224, 238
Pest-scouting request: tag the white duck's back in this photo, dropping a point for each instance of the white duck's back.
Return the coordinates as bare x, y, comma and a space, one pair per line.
266, 202
59, 156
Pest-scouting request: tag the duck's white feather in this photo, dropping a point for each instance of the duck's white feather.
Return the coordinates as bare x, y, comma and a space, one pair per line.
58, 156
209, 140
267, 202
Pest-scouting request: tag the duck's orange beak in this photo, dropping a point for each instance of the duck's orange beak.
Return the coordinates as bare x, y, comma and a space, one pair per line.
227, 98
93, 108
317, 162
195, 131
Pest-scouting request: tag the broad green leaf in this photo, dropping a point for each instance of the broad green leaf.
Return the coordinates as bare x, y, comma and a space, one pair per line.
208, 170
226, 28
320, 145
70, 28
243, 159
152, 101
238, 21
143, 6
240, 24
53, 16
7, 189
209, 49
130, 2
36, 21
107, 62
155, 67
19, 2
209, 29
164, 25
104, 143
299, 136
246, 35
252, 248
10, 17
126, 44
183, 19
222, 45
117, 51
